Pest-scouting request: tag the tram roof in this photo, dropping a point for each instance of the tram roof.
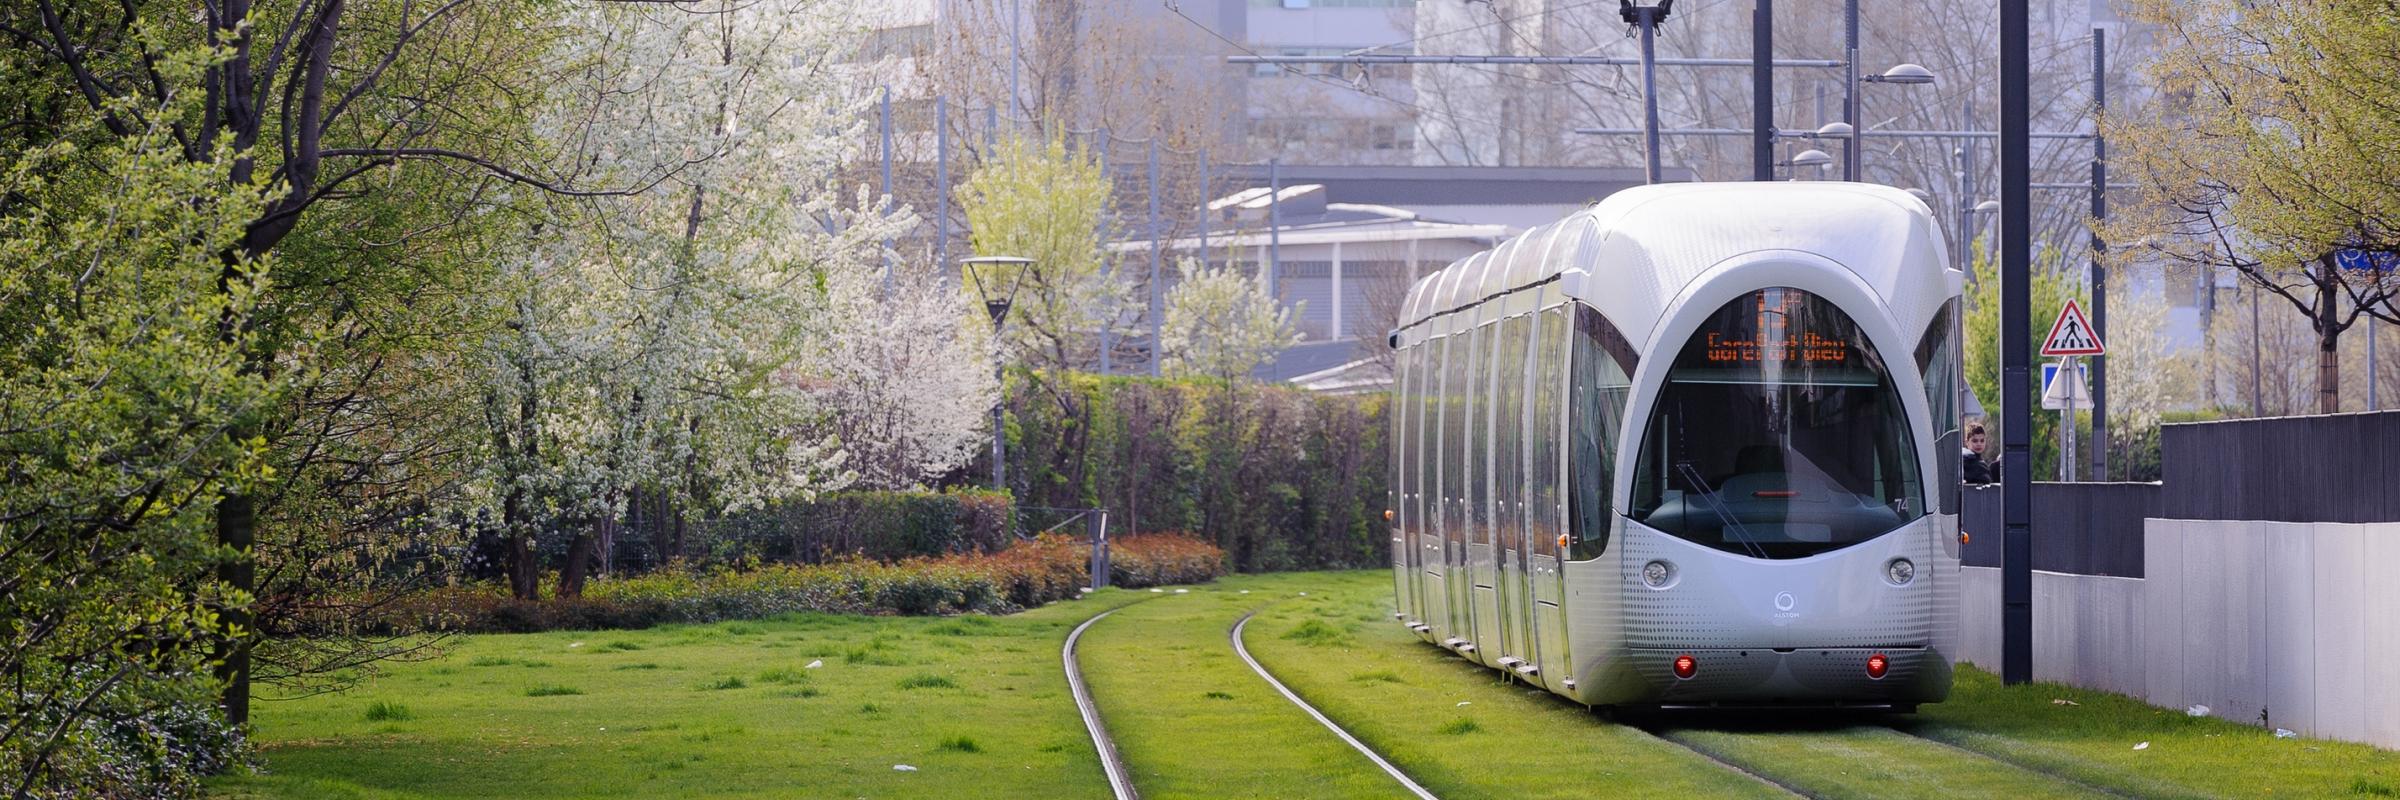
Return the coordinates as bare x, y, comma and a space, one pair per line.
1677, 231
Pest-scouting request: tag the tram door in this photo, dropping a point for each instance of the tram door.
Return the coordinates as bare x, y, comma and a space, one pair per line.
1477, 558
1403, 455
1508, 473
1424, 539
1441, 487
1545, 437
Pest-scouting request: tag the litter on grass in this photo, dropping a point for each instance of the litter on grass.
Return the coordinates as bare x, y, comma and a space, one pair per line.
815, 664
2196, 710
1183, 591
2064, 702
2142, 746
903, 768
2285, 733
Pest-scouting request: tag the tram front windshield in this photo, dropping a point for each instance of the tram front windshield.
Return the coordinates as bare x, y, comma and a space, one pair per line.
1778, 434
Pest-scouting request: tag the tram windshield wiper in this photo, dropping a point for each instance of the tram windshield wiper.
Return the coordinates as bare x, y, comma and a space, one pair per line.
1716, 503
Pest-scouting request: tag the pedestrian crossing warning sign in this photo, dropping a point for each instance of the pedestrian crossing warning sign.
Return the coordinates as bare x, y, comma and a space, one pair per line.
2072, 335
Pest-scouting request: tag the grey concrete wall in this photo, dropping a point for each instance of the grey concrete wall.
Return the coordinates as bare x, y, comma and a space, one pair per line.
2087, 628
2285, 624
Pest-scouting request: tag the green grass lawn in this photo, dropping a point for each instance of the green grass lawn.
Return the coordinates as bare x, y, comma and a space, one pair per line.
1455, 726
978, 705
1192, 721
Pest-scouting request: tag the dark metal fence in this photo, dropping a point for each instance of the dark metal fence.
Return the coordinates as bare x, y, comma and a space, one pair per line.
2083, 528
2329, 468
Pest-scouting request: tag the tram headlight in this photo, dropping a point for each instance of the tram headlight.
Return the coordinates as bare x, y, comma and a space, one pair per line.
1657, 574
1900, 571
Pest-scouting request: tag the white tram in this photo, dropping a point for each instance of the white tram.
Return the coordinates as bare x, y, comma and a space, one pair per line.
1694, 445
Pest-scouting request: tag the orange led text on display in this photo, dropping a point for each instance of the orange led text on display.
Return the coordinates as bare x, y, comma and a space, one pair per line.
1774, 340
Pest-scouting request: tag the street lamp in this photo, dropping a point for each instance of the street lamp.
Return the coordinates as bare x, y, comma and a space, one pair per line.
1811, 157
996, 280
1969, 223
1902, 74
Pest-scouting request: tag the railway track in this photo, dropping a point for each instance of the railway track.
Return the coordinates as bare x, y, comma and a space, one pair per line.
1239, 649
1712, 758
1120, 780
1969, 752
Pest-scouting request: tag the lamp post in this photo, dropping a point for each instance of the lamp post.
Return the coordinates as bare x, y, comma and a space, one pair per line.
1648, 15
996, 280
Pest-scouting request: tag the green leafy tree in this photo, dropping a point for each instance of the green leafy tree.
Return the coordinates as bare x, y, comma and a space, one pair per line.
2050, 292
123, 343
2267, 150
1043, 200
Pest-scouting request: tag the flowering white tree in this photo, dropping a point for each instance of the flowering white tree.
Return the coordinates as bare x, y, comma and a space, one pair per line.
1222, 323
906, 375
651, 337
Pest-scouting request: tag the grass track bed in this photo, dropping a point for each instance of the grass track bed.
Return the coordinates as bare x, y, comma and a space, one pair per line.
1192, 721
1865, 761
1340, 649
976, 704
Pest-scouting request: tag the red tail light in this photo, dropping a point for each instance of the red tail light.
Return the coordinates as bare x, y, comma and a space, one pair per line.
1686, 666
1877, 665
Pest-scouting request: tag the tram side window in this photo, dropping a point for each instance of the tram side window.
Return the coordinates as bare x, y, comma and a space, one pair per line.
1453, 448
1938, 362
1425, 361
1477, 436
1404, 449
1509, 425
1602, 366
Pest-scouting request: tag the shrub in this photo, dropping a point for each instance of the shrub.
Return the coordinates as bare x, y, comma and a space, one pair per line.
1280, 478
878, 525
1028, 574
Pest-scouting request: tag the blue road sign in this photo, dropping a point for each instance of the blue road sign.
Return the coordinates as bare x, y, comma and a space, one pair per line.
2050, 371
2362, 260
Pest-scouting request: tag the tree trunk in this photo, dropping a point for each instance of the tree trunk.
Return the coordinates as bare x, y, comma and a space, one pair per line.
237, 531
2329, 331
524, 576
2329, 373
578, 566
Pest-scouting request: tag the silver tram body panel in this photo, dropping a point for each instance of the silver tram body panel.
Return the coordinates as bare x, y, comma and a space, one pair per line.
1485, 501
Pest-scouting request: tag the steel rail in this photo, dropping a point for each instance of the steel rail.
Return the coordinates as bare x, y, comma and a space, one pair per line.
1120, 781
1355, 744
2030, 767
1713, 759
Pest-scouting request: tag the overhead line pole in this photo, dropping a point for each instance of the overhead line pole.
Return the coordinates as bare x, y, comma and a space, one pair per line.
1762, 90
1648, 17
1850, 144
2099, 253
2016, 282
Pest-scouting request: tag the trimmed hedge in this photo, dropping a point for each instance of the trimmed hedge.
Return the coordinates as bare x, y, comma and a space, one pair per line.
1026, 575
879, 525
1279, 478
